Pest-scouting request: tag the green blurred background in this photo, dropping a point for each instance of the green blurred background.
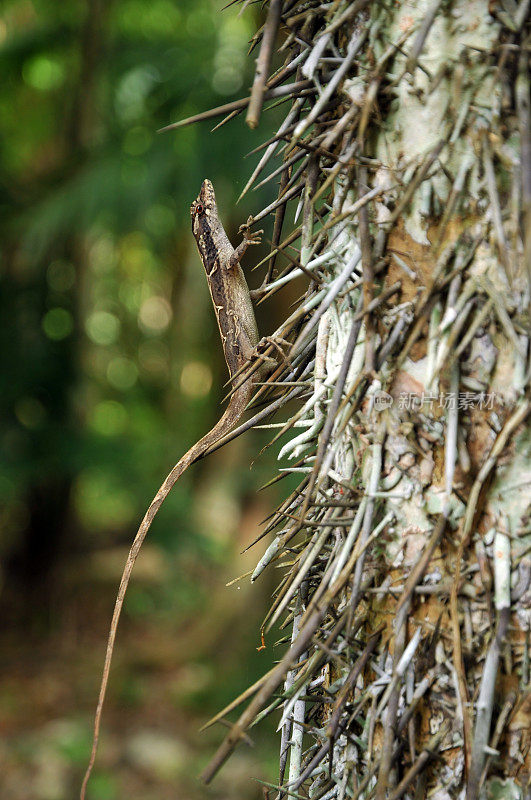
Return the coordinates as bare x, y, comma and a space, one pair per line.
111, 368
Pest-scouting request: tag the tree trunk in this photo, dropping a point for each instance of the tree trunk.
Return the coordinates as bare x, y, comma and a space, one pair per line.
407, 585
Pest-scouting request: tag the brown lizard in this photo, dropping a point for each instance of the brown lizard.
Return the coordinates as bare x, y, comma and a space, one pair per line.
239, 335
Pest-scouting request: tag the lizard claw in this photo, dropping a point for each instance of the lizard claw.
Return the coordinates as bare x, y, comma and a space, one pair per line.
275, 342
250, 237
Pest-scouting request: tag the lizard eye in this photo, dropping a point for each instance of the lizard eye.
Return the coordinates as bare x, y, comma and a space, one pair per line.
199, 208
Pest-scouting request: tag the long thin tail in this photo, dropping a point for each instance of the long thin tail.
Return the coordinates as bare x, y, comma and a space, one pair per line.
233, 412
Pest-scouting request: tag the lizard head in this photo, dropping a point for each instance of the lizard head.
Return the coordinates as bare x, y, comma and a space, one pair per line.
203, 205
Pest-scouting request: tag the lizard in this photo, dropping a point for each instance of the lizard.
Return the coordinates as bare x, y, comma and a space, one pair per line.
234, 311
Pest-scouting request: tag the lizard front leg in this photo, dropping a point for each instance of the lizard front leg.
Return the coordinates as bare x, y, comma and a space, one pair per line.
248, 238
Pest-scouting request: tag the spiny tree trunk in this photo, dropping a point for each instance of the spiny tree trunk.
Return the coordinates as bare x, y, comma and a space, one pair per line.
406, 578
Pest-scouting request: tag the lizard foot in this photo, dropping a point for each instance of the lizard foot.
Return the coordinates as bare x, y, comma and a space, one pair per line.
249, 236
276, 342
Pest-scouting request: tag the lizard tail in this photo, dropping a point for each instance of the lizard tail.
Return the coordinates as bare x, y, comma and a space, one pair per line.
232, 414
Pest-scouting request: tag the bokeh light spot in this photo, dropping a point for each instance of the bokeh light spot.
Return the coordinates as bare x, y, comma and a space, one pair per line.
155, 314
130, 295
133, 90
227, 79
196, 379
43, 73
122, 373
102, 327
57, 324
109, 418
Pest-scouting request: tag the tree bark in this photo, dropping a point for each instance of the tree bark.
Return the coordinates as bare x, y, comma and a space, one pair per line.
408, 582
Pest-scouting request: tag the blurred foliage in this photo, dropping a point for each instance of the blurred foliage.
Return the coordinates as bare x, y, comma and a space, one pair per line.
111, 367
105, 322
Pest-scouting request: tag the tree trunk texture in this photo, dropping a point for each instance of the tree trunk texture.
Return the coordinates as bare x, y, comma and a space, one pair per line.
405, 548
